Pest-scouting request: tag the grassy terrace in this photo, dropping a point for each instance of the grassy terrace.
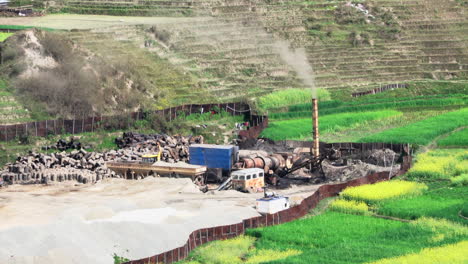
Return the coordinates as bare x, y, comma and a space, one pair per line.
424, 131
422, 113
301, 128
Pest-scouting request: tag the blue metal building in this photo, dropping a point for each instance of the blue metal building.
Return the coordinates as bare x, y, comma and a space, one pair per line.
214, 156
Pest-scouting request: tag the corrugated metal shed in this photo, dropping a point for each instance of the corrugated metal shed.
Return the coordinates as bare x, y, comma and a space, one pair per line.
213, 156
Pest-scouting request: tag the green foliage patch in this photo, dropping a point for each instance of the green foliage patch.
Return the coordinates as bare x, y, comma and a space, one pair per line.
4, 36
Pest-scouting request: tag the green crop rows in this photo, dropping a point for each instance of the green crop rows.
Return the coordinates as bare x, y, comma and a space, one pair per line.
458, 138
333, 107
422, 132
300, 128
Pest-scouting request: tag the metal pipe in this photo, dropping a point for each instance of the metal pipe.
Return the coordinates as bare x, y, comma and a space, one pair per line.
315, 129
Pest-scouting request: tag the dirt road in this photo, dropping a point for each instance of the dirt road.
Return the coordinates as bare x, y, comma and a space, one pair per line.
71, 21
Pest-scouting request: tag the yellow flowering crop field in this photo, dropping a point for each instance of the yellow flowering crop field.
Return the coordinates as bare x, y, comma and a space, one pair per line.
440, 164
374, 193
350, 207
453, 254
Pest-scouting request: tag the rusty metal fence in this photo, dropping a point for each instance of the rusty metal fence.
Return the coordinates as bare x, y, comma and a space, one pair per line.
204, 235
90, 124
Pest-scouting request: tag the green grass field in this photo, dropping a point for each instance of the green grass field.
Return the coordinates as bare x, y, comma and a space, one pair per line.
302, 128
334, 107
338, 238
458, 138
442, 202
422, 132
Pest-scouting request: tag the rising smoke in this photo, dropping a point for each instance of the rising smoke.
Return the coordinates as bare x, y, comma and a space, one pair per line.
297, 59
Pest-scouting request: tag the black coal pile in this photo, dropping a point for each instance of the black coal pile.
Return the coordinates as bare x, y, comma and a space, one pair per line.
63, 145
133, 139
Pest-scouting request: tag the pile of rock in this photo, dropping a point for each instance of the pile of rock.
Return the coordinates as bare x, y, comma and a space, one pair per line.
62, 145
89, 167
172, 149
133, 139
80, 165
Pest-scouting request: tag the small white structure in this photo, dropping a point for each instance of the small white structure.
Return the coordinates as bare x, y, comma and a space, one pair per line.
272, 204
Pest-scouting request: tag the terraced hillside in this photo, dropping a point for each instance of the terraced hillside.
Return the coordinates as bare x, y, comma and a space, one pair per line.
124, 46
232, 53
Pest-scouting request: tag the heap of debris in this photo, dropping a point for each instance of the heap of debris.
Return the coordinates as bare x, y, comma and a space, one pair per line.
63, 144
173, 149
89, 167
40, 168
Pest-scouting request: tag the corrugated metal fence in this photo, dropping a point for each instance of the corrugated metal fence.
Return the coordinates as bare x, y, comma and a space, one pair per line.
90, 124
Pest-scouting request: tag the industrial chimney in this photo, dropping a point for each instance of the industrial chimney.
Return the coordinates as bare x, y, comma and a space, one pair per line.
315, 129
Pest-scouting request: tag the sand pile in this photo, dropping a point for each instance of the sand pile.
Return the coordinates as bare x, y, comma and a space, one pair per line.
88, 224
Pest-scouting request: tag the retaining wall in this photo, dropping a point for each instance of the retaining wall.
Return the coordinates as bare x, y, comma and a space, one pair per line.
89, 124
204, 235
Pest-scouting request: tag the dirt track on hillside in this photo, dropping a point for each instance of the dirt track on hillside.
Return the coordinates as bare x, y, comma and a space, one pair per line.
69, 21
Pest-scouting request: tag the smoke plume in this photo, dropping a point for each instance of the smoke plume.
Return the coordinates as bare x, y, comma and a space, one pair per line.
297, 59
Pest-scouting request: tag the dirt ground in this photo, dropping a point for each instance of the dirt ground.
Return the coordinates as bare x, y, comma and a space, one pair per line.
69, 223
70, 21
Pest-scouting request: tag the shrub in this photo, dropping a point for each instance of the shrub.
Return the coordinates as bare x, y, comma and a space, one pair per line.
56, 46
349, 15
375, 193
350, 207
